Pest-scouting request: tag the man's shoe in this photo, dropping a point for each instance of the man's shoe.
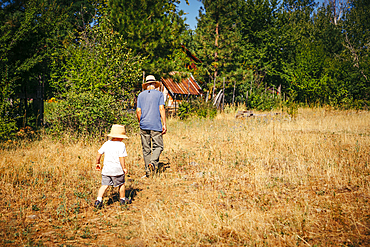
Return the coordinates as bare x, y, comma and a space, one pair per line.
125, 201
151, 167
98, 204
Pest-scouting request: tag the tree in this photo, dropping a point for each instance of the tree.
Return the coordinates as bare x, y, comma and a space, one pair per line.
30, 30
217, 41
262, 41
100, 62
357, 39
151, 28
95, 80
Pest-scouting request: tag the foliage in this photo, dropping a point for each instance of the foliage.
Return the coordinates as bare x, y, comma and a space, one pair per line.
313, 54
151, 28
86, 114
263, 101
290, 107
198, 108
7, 118
99, 63
95, 80
29, 32
357, 49
217, 42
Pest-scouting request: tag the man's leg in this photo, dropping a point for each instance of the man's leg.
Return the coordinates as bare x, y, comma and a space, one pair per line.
146, 143
157, 147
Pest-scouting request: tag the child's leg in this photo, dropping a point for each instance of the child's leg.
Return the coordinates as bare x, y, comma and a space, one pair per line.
102, 190
122, 191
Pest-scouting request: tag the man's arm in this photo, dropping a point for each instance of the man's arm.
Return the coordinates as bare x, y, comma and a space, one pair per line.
138, 114
162, 111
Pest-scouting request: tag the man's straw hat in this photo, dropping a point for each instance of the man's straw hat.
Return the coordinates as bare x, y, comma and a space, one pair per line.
151, 79
118, 131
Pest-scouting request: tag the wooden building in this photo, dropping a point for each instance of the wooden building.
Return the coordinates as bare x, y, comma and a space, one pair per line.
174, 92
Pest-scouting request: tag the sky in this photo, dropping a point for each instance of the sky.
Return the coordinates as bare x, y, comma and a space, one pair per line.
192, 11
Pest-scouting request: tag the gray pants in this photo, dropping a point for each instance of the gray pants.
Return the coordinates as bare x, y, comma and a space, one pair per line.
152, 143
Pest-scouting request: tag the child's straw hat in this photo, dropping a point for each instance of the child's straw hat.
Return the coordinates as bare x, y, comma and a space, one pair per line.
118, 131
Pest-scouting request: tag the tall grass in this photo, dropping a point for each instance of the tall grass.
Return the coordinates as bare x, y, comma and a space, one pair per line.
269, 180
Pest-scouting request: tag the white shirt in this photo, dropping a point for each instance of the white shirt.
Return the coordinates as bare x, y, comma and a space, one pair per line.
112, 150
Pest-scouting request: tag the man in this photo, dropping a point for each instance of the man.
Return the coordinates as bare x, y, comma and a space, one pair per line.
151, 115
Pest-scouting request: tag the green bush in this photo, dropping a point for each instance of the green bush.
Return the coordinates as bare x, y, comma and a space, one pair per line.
8, 124
198, 108
86, 114
7, 128
262, 101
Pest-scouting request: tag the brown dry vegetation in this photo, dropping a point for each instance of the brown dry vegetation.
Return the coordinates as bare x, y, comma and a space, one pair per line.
257, 181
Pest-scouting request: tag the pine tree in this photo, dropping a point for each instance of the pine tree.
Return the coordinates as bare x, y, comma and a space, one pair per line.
216, 41
151, 28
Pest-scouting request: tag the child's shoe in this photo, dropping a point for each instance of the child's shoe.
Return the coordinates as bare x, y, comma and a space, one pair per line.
125, 201
98, 204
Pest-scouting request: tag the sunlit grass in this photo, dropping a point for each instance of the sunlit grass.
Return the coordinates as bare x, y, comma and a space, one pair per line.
268, 180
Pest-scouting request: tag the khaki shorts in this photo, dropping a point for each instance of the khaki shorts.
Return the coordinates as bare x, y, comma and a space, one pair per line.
114, 181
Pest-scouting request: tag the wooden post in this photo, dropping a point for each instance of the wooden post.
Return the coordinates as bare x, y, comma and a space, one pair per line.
223, 95
39, 102
214, 87
143, 80
246, 99
188, 89
234, 92
216, 59
25, 107
175, 104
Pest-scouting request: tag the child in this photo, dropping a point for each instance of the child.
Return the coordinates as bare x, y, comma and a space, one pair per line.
114, 168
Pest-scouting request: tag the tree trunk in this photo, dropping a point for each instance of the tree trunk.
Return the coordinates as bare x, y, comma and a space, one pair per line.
234, 92
216, 59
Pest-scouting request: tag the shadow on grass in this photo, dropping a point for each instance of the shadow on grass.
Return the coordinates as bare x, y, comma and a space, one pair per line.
162, 166
130, 192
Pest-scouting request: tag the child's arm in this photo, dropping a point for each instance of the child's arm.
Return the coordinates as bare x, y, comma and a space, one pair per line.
123, 164
98, 157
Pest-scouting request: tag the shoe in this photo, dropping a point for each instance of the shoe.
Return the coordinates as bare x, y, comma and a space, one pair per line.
98, 204
125, 201
147, 175
151, 167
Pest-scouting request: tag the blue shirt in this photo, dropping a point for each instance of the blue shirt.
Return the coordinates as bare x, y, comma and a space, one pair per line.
149, 101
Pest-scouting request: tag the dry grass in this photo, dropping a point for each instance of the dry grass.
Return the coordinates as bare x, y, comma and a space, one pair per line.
257, 181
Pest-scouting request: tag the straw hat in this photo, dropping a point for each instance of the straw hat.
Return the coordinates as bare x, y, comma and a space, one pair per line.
151, 79
118, 131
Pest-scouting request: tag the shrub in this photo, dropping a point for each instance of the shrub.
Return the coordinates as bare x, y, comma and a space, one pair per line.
198, 108
262, 101
86, 114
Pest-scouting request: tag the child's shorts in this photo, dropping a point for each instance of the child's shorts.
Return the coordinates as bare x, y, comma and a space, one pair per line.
114, 181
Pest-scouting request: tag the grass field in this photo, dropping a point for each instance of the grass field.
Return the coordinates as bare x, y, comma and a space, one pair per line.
259, 181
